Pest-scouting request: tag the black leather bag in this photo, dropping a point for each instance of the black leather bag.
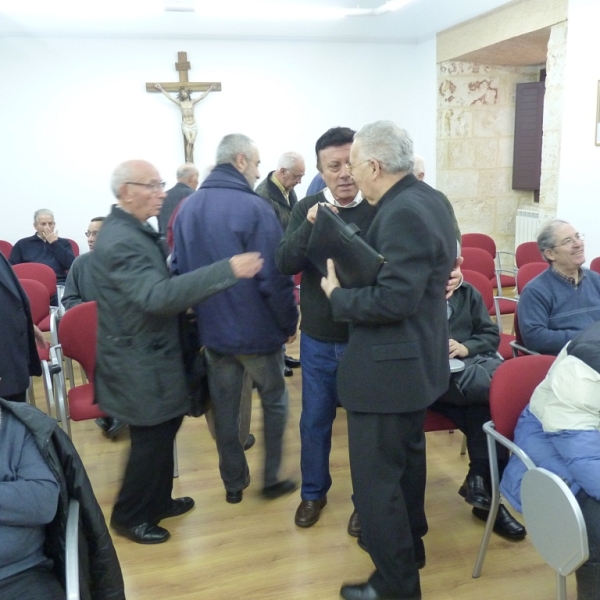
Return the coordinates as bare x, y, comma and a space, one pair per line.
194, 362
356, 263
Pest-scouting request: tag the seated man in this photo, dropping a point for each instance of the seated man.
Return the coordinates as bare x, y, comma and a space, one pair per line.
560, 431
44, 247
474, 339
564, 299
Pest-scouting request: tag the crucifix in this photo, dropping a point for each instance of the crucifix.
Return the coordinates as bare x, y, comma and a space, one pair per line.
184, 89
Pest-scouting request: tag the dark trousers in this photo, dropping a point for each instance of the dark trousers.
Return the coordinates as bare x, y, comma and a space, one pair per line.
588, 575
387, 462
20, 397
148, 481
32, 584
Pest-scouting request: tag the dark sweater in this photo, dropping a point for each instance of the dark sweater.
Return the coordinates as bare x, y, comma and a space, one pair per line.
80, 286
58, 255
28, 498
317, 317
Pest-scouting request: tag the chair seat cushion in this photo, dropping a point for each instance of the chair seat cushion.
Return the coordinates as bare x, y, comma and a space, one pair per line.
81, 403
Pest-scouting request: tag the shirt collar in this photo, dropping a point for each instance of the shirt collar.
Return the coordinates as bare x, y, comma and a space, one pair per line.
329, 197
276, 181
571, 280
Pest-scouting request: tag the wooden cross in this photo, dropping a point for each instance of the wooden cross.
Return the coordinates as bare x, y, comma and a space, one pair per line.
184, 100
183, 66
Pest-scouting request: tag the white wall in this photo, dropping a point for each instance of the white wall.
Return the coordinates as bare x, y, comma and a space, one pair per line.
72, 109
579, 183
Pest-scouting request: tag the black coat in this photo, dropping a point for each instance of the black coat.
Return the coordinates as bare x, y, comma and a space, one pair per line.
270, 192
100, 575
397, 355
18, 353
174, 196
139, 373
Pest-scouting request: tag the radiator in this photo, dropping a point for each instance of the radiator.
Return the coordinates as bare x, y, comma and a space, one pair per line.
527, 225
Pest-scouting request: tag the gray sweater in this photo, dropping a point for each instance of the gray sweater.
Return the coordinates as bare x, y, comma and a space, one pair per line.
28, 498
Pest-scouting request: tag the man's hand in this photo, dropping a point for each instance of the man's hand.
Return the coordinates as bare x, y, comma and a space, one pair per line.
329, 283
311, 215
457, 349
40, 340
246, 266
456, 278
48, 235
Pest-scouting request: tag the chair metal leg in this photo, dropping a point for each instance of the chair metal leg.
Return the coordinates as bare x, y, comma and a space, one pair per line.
175, 463
69, 370
30, 393
463, 448
72, 551
561, 587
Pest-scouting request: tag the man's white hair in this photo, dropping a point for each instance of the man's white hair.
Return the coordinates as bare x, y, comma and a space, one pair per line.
41, 212
288, 160
232, 145
388, 144
186, 171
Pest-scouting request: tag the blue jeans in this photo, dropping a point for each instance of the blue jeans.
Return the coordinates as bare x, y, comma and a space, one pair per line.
226, 378
320, 362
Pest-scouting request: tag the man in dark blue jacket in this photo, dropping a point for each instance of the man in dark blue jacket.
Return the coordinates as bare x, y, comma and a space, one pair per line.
245, 328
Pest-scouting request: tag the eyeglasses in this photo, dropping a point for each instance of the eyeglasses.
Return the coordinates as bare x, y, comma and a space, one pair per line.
351, 167
579, 237
89, 234
153, 187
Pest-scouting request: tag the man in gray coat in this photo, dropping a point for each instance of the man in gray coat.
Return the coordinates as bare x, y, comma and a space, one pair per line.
139, 374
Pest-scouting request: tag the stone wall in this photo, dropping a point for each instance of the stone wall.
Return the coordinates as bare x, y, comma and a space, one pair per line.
476, 112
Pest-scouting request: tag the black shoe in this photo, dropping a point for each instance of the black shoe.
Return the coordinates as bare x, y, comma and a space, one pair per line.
354, 524
179, 507
116, 426
146, 533
287, 486
287, 372
250, 440
104, 423
237, 496
292, 363
475, 493
419, 560
364, 591
505, 526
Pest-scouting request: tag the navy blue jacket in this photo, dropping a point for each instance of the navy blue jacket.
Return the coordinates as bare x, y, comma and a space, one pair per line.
223, 218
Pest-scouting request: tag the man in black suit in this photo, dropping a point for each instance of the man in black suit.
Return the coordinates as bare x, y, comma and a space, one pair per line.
396, 362
187, 182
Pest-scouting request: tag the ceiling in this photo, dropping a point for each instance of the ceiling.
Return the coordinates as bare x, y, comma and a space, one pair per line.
419, 20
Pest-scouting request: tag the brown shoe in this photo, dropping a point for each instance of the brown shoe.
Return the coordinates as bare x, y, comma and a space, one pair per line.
309, 511
354, 524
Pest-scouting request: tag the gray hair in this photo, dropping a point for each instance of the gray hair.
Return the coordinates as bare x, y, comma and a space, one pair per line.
546, 238
388, 144
122, 174
419, 165
232, 145
187, 170
288, 160
40, 212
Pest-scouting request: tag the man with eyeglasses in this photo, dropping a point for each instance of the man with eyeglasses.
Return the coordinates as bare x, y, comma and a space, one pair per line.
278, 188
564, 299
139, 374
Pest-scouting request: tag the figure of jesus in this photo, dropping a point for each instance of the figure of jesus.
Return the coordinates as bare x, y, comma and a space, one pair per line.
188, 123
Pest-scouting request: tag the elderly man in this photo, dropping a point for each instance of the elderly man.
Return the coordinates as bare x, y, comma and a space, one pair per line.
560, 431
564, 299
278, 189
44, 246
396, 362
241, 329
187, 182
139, 368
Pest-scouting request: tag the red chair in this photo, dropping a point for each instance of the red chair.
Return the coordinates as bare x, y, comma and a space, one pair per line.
528, 272
517, 345
595, 265
512, 385
75, 247
476, 259
503, 277
297, 282
6, 248
77, 332
527, 252
484, 287
46, 276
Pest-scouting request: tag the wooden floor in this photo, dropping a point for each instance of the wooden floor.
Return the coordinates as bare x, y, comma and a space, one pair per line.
254, 551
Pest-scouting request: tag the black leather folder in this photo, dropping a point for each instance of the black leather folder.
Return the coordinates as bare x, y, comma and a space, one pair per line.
356, 263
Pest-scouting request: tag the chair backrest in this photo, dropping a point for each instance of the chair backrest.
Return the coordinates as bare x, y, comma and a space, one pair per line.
5, 248
479, 240
512, 385
39, 299
75, 246
527, 252
476, 259
554, 520
528, 272
482, 284
595, 264
77, 334
39, 272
